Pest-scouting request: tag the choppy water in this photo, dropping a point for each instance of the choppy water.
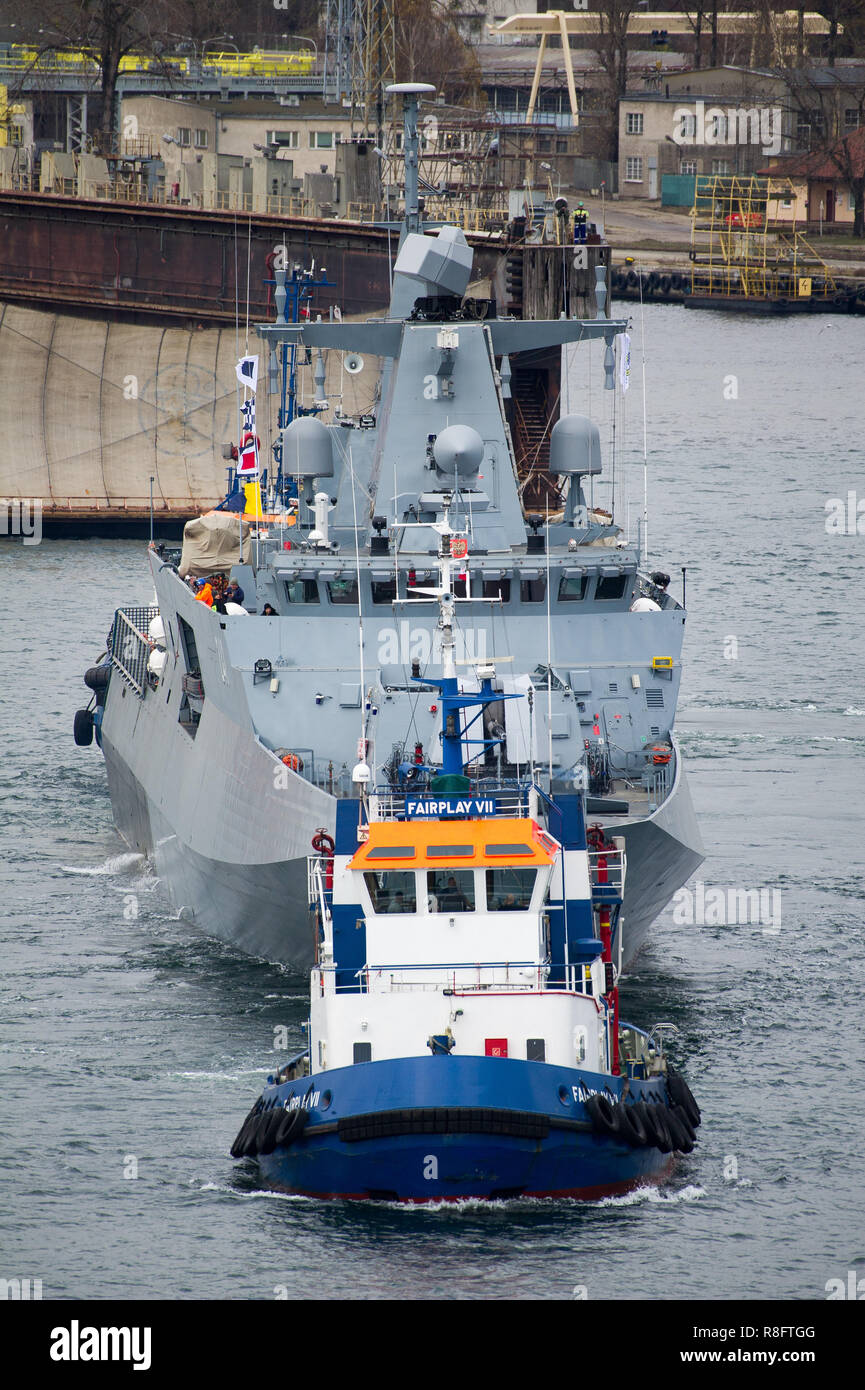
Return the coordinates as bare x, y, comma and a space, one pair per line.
125, 1036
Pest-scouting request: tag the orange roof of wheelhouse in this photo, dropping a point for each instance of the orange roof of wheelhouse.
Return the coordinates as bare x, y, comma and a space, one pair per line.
424, 844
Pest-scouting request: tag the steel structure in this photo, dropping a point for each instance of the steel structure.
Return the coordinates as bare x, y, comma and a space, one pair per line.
740, 248
360, 61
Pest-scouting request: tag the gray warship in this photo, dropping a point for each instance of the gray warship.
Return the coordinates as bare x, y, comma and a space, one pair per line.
230, 737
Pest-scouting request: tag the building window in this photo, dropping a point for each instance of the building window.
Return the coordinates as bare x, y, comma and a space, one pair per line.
687, 166
321, 139
634, 123
184, 135
285, 139
719, 128
634, 169
852, 117
16, 134
687, 126
851, 200
201, 140
720, 166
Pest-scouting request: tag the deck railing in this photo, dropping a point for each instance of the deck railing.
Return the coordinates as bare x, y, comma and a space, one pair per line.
129, 646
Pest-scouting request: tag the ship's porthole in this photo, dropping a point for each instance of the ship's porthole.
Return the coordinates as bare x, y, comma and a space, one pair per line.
326, 1098
564, 1095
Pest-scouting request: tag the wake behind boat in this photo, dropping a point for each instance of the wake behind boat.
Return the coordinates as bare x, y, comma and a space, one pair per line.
229, 736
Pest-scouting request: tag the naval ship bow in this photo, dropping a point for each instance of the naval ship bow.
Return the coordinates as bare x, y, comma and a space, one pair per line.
230, 738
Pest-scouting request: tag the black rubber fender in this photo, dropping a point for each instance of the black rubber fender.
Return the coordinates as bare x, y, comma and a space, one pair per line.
604, 1116
631, 1124
268, 1131
632, 281
238, 1148
665, 284
97, 677
680, 1094
680, 1139
254, 1135
82, 728
677, 281
685, 1123
291, 1126
657, 1128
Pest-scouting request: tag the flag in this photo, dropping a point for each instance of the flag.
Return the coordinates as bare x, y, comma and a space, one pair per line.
247, 372
247, 410
624, 360
247, 463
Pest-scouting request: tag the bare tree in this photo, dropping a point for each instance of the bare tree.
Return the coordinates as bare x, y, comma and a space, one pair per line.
611, 46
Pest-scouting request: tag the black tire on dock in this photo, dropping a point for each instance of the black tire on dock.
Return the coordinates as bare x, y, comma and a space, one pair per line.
82, 729
665, 284
632, 280
676, 281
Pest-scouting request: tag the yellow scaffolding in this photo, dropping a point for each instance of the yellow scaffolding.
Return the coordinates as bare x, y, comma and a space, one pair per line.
740, 247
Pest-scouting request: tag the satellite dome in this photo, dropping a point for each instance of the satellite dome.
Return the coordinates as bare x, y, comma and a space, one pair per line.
458, 450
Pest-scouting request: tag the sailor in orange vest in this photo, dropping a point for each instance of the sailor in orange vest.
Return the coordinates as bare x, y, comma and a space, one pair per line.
204, 593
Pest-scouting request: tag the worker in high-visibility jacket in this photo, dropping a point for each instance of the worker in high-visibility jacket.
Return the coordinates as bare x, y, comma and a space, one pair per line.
581, 223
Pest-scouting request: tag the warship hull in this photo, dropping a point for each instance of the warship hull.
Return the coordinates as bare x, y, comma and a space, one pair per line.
251, 894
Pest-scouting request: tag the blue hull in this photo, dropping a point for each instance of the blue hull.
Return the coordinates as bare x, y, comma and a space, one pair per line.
438, 1128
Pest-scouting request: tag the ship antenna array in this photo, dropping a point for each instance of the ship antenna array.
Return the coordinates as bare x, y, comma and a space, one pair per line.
361, 771
645, 554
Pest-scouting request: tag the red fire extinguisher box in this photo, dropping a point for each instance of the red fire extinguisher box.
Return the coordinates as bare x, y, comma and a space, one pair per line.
495, 1047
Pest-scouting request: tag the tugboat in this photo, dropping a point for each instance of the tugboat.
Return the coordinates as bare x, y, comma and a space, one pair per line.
464, 1031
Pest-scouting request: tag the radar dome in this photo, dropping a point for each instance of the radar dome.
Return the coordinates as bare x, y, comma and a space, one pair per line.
458, 449
306, 449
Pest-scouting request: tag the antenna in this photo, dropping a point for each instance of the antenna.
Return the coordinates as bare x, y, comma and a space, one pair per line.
362, 766
410, 93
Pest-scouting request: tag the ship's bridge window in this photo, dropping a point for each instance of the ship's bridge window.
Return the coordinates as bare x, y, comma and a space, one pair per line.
450, 851
392, 890
611, 586
301, 591
391, 852
383, 589
450, 890
510, 889
572, 587
512, 851
533, 590
343, 591
498, 588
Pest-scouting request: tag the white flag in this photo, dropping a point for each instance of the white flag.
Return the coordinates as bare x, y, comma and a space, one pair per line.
624, 360
247, 372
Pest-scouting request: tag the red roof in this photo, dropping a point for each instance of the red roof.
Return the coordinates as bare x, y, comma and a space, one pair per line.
819, 164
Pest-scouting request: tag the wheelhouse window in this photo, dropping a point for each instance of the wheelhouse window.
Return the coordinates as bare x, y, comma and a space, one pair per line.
392, 890
573, 588
497, 588
510, 889
301, 591
533, 590
450, 890
384, 590
611, 586
342, 591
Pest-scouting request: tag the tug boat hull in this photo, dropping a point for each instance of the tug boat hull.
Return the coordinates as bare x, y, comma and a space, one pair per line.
434, 1129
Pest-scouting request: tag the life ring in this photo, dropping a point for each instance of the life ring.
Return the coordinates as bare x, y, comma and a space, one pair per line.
604, 1116
323, 843
291, 1126
680, 1094
631, 1125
